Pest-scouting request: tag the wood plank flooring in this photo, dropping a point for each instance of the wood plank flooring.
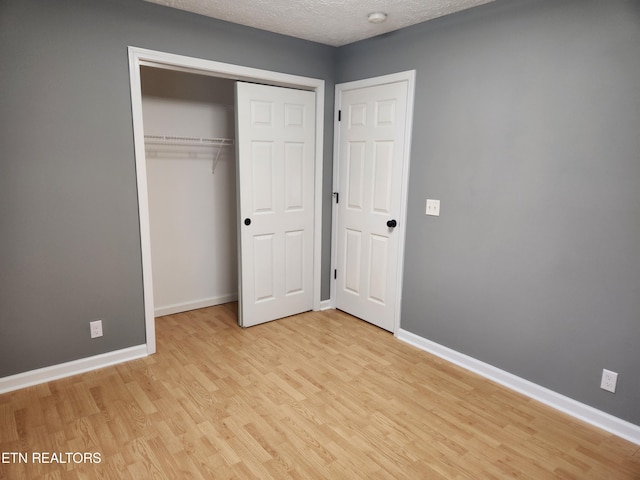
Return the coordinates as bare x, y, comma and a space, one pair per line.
315, 396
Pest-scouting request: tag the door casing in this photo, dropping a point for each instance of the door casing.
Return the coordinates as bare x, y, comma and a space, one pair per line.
143, 57
409, 77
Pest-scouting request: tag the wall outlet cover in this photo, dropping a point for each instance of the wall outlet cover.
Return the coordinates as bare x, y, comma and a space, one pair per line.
95, 328
609, 380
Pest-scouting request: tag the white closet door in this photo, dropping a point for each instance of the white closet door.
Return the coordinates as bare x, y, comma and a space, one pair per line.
276, 148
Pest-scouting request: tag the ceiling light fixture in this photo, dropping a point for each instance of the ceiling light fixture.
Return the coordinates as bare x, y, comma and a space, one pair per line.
377, 17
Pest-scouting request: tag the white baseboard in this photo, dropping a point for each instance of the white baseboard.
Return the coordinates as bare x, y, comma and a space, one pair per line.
326, 305
186, 306
593, 416
55, 372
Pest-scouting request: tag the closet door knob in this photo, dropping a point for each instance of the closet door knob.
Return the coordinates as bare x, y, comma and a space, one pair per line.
392, 224
247, 221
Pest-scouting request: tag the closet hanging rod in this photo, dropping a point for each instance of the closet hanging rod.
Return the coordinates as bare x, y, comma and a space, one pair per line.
189, 141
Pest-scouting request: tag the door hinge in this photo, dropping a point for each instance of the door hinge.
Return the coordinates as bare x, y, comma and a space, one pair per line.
335, 274
337, 195
339, 115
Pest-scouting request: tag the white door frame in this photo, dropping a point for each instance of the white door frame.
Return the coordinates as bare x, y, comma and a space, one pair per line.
169, 61
408, 76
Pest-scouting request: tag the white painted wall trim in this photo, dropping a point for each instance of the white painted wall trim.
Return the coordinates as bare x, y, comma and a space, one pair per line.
55, 372
203, 303
326, 305
590, 415
169, 61
408, 76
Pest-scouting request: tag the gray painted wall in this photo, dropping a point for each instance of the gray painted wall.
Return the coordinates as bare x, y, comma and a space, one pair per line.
70, 239
527, 128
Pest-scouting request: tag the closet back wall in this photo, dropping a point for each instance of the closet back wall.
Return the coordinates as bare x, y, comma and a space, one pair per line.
192, 207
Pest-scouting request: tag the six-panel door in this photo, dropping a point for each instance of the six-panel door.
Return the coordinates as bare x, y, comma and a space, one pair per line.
276, 148
371, 156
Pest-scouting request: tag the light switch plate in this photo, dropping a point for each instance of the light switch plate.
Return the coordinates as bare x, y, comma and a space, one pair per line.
433, 207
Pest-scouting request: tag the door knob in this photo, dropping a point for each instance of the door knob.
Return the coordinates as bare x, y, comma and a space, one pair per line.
392, 224
247, 221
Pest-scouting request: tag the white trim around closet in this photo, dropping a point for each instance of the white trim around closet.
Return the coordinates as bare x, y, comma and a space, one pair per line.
139, 57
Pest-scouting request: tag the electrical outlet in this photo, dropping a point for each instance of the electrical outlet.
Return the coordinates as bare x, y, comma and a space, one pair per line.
433, 207
609, 380
96, 328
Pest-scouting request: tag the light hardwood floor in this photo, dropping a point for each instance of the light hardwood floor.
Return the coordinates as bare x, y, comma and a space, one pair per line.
318, 395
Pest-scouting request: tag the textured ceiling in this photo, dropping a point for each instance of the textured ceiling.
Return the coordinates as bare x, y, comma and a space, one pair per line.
332, 22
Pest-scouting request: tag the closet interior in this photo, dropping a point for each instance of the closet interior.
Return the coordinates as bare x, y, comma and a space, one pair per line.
189, 129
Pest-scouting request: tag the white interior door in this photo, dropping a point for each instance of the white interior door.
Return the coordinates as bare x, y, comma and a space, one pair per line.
276, 151
372, 156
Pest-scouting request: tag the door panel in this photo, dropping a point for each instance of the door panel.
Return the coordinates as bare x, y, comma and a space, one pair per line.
355, 171
294, 176
276, 148
262, 176
263, 279
294, 262
370, 168
353, 250
382, 177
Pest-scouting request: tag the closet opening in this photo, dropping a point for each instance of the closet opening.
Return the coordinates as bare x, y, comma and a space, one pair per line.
193, 96
189, 132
